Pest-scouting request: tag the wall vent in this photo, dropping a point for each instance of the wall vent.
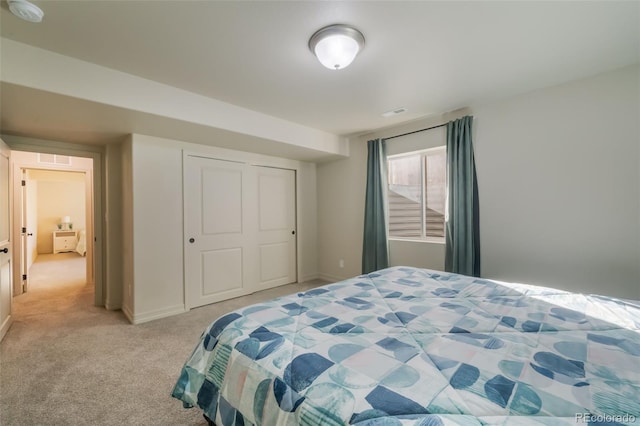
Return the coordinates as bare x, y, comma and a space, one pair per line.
62, 160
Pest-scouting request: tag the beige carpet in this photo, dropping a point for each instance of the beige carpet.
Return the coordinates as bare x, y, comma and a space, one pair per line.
67, 362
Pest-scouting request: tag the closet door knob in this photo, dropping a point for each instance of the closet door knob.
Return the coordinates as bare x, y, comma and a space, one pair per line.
4, 250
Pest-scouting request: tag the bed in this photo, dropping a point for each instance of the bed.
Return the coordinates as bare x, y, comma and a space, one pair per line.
81, 247
408, 346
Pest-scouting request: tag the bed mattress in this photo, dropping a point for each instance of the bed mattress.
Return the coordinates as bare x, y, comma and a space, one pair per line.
408, 346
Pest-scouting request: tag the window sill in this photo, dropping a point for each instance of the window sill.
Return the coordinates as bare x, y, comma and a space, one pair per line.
419, 240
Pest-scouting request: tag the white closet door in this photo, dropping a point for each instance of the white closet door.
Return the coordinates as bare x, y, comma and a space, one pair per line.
218, 251
276, 237
240, 229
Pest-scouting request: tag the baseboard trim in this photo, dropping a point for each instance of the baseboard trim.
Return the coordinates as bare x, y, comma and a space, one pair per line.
5, 326
331, 278
157, 314
112, 307
128, 314
309, 277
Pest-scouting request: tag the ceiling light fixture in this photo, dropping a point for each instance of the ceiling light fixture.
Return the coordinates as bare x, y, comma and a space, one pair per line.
26, 10
336, 46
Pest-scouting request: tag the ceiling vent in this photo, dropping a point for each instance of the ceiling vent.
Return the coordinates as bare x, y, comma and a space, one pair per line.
394, 112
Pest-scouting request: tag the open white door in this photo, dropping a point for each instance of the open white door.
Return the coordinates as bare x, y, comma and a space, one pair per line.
5, 243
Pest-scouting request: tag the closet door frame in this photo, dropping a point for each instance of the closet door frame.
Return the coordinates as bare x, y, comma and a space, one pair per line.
196, 255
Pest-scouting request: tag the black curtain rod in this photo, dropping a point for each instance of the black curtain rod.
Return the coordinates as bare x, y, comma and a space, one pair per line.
415, 131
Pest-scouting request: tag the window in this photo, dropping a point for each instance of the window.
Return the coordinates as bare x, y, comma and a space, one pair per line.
417, 194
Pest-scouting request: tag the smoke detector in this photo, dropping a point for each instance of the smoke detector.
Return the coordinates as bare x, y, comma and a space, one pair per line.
26, 10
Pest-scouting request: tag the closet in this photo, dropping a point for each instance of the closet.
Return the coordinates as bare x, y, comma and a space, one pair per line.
240, 228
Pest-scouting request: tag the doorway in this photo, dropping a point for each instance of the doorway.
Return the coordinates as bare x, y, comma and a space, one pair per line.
53, 213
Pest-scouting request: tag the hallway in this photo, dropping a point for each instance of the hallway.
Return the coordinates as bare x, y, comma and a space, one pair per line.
57, 287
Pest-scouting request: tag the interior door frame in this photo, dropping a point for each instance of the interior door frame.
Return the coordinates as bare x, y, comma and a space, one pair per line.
21, 210
5, 322
24, 243
95, 213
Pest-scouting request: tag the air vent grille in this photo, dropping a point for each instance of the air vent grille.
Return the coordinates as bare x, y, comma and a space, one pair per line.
61, 160
395, 111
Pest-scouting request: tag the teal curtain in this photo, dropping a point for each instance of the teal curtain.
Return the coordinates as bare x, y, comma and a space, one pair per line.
375, 253
462, 254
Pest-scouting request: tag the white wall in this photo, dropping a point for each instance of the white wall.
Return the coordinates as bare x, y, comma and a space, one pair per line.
558, 173
158, 289
156, 272
126, 257
306, 183
579, 141
416, 253
341, 196
114, 226
161, 109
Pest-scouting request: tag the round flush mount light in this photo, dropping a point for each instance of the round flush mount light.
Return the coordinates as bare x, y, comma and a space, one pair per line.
26, 10
336, 46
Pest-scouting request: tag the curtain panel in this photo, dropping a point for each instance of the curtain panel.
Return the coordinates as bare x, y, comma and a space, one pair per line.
375, 251
462, 253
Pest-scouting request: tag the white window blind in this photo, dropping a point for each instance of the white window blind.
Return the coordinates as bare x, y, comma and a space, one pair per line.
417, 194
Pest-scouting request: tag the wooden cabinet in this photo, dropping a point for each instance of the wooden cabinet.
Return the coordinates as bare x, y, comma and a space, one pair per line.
64, 241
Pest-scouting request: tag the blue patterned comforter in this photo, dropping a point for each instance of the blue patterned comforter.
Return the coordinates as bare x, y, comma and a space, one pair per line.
407, 346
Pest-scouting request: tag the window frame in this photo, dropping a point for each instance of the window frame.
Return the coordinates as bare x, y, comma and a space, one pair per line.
423, 154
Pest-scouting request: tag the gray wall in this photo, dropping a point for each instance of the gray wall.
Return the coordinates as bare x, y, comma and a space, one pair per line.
341, 214
558, 173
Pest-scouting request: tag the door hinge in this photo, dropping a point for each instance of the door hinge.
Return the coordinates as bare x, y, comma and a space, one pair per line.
24, 182
24, 277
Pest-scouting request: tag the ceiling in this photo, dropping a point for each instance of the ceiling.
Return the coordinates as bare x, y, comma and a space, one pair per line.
429, 57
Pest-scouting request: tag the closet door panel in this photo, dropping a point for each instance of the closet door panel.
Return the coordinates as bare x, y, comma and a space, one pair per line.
277, 226
216, 237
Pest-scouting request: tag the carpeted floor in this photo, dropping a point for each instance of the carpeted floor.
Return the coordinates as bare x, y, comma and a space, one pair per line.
67, 362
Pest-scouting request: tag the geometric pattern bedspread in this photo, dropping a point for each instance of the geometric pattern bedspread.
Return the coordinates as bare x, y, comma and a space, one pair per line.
408, 346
